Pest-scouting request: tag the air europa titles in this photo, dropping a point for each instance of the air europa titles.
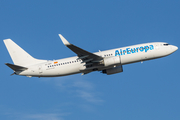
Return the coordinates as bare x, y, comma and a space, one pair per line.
133, 50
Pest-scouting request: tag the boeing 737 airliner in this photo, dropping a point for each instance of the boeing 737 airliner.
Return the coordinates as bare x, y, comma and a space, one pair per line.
109, 61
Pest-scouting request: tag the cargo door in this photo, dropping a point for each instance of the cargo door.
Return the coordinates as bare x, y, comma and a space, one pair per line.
40, 70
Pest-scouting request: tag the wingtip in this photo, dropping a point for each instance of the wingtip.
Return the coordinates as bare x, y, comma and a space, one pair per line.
65, 42
60, 35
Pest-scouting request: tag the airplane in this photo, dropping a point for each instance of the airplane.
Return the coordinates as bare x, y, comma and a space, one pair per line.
108, 62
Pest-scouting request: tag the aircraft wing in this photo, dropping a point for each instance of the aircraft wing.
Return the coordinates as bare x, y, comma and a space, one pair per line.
82, 54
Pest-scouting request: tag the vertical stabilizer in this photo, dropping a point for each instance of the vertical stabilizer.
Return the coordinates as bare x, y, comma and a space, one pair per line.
19, 56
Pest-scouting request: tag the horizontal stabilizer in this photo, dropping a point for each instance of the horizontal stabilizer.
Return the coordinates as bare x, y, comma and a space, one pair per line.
16, 67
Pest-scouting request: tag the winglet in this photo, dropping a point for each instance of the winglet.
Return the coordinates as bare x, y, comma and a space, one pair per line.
64, 40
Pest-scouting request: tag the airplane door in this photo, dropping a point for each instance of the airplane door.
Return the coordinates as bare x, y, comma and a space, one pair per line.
120, 59
40, 69
157, 47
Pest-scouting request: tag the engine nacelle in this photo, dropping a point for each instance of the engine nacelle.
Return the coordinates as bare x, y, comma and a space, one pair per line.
110, 61
114, 70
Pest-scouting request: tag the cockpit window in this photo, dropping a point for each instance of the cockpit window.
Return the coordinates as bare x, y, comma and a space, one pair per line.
165, 44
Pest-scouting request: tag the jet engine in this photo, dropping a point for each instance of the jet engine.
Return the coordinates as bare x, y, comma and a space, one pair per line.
110, 61
114, 70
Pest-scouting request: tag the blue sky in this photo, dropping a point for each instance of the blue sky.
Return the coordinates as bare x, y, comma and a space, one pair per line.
143, 91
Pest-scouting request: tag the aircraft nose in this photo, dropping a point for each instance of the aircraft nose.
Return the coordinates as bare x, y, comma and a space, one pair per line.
174, 48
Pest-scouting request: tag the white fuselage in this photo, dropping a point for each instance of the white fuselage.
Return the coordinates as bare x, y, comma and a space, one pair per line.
73, 65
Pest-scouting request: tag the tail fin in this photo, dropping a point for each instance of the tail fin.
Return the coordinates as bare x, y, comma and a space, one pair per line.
19, 56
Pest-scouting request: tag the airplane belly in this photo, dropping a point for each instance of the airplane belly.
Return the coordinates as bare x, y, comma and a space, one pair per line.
138, 57
61, 70
71, 69
126, 59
